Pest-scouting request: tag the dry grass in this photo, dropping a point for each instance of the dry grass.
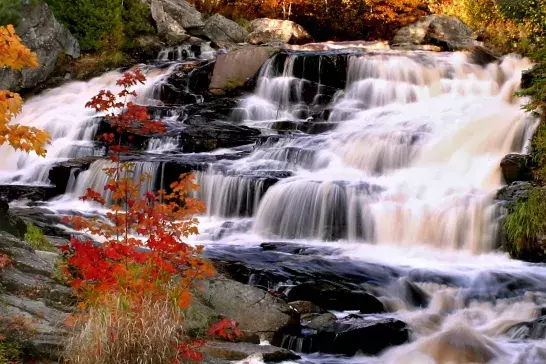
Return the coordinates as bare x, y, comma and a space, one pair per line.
117, 334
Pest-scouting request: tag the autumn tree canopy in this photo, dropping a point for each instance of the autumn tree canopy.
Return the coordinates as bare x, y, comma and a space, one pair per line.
14, 55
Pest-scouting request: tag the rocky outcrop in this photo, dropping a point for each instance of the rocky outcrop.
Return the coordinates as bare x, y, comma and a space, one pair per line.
240, 351
176, 20
43, 34
347, 336
267, 30
28, 292
513, 192
332, 296
255, 310
447, 32
517, 167
220, 29
234, 69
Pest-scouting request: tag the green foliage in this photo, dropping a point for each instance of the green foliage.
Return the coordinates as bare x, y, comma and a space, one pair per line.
526, 221
92, 22
137, 19
36, 238
10, 352
10, 12
103, 25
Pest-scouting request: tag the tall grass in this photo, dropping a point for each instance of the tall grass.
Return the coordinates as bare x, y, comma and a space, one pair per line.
119, 333
526, 222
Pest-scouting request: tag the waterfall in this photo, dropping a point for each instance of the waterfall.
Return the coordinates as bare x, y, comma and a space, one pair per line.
413, 157
95, 178
72, 127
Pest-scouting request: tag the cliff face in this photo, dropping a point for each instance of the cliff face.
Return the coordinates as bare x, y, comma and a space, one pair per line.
43, 34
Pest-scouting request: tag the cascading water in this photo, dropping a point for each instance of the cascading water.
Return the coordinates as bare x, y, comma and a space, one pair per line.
406, 177
72, 127
382, 159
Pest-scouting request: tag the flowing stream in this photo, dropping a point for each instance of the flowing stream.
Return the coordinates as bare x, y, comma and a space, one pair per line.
397, 165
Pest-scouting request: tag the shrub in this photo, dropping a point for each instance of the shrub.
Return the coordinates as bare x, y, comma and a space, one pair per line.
16, 334
118, 332
10, 12
103, 25
92, 22
525, 222
36, 238
504, 25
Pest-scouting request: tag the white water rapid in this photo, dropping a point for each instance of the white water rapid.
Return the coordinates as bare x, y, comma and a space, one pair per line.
378, 161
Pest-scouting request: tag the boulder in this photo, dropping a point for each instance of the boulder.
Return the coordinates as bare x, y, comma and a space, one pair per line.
534, 330
447, 32
332, 296
255, 310
517, 167
240, 351
176, 20
232, 70
10, 223
305, 307
220, 29
44, 35
267, 30
348, 336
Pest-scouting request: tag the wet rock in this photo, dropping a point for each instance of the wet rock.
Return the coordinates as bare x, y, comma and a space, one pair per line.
176, 20
61, 173
534, 330
220, 29
206, 137
22, 192
232, 70
447, 32
412, 294
44, 35
240, 351
275, 30
517, 167
348, 336
305, 307
255, 310
43, 218
514, 192
317, 321
193, 79
10, 223
332, 296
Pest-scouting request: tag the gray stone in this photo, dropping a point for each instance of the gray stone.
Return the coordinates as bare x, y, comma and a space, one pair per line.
44, 35
447, 32
305, 307
232, 70
517, 167
27, 289
176, 20
220, 29
255, 310
267, 30
240, 351
317, 321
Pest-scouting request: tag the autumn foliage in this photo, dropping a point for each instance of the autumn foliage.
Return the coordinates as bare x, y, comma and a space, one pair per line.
142, 260
14, 55
327, 19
